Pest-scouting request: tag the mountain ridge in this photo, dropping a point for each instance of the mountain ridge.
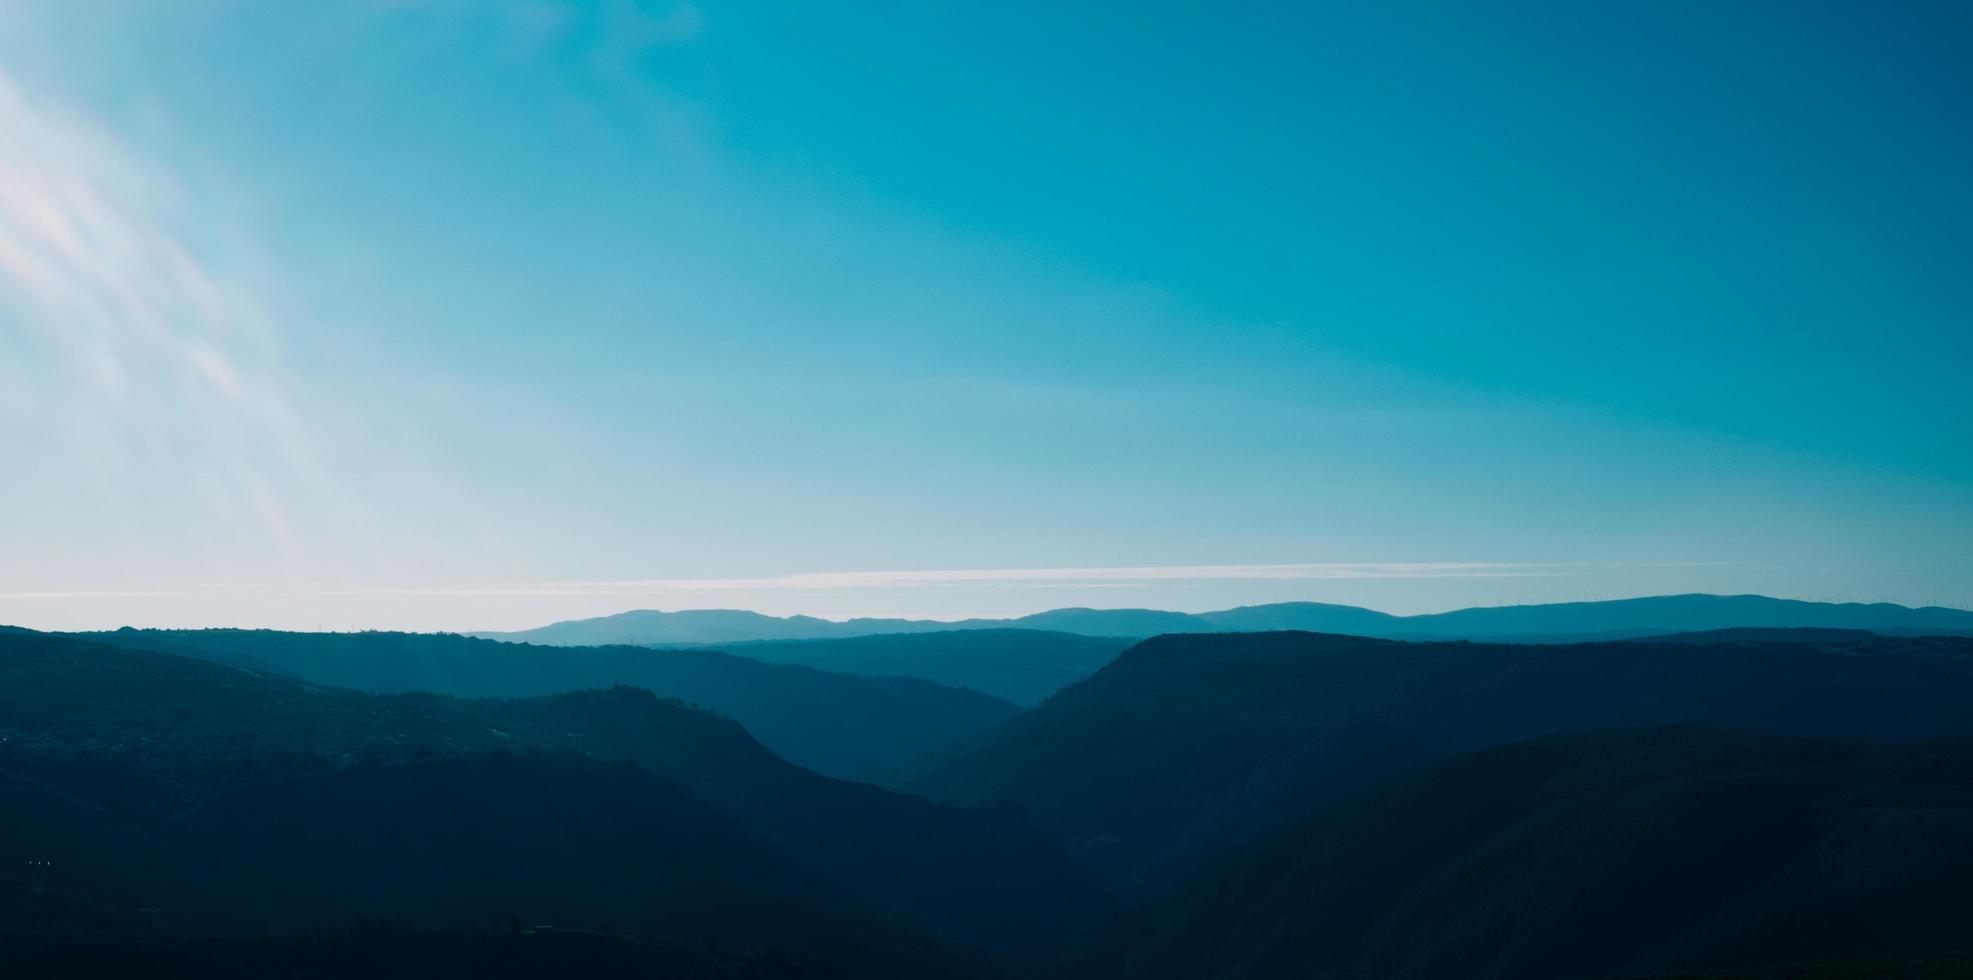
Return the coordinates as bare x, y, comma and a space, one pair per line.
1021, 666
850, 726
1568, 621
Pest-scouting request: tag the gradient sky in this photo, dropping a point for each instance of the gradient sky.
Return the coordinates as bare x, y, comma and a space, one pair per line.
448, 314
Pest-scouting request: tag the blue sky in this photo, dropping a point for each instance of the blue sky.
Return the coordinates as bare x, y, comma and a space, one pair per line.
441, 314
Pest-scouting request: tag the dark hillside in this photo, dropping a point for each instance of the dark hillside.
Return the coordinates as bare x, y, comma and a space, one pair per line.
868, 728
1017, 665
466, 841
116, 764
983, 875
1609, 853
1186, 744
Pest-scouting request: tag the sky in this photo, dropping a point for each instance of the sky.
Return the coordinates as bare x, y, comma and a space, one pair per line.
442, 314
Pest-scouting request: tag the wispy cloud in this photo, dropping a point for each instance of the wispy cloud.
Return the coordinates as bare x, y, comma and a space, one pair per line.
1081, 577
28, 596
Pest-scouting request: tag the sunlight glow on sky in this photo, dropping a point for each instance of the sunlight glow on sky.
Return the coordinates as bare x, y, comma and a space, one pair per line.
439, 314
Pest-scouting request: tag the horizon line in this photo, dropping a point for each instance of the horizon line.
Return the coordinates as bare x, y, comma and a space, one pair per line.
1060, 576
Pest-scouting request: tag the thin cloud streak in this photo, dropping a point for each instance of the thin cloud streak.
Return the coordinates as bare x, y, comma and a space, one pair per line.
1023, 577
24, 596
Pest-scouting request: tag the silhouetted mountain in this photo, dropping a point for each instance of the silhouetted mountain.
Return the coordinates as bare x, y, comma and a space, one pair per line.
1021, 666
1680, 614
227, 797
442, 842
1585, 855
854, 727
1112, 622
454, 842
713, 626
1312, 617
196, 725
463, 841
1187, 743
703, 626
1558, 622
647, 626
161, 781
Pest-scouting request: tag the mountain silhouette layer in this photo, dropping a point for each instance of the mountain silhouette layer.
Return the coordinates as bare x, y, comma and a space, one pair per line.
1565, 621
1023, 666
242, 801
1601, 854
853, 727
1187, 744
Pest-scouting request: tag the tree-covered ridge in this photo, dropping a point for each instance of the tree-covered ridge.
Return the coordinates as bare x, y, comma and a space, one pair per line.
853, 727
1188, 743
110, 752
1602, 854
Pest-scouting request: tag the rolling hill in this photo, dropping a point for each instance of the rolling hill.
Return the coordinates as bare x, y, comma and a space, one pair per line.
983, 875
1022, 666
1603, 854
1186, 744
149, 779
471, 840
853, 727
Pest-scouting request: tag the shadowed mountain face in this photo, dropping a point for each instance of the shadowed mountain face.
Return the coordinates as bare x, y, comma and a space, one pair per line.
1186, 744
1563, 622
446, 842
852, 727
547, 838
987, 876
1021, 666
241, 800
1610, 853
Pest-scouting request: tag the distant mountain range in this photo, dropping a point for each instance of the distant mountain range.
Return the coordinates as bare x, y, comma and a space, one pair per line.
650, 627
1556, 622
